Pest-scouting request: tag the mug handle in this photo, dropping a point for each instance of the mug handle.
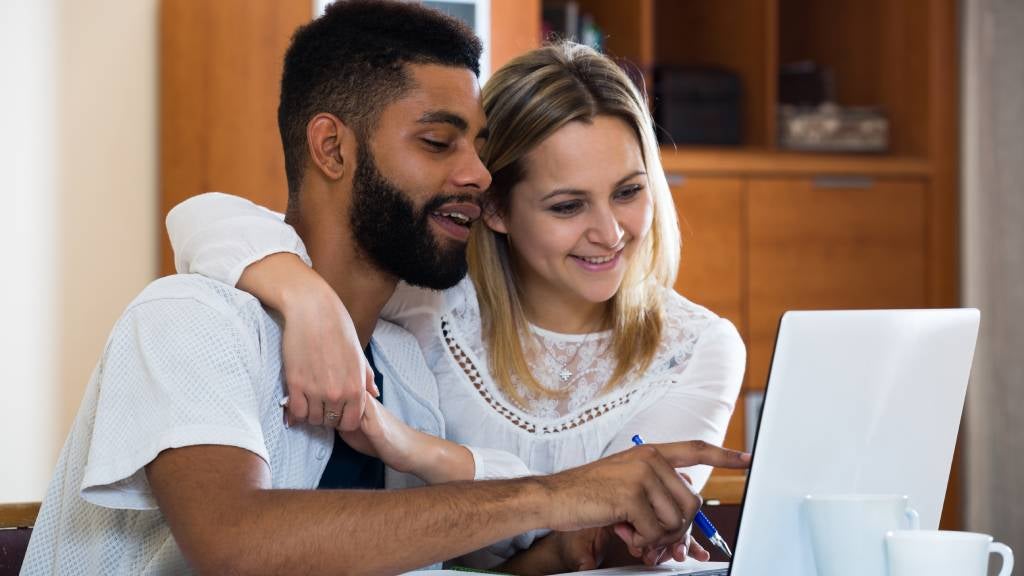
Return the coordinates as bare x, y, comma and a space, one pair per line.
1007, 554
914, 519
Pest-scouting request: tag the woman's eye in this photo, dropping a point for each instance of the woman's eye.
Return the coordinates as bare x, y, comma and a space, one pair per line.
435, 144
629, 193
567, 208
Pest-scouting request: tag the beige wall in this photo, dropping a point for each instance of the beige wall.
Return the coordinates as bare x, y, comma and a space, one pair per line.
80, 170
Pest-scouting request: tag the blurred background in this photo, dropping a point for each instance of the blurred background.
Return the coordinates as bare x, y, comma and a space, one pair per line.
822, 154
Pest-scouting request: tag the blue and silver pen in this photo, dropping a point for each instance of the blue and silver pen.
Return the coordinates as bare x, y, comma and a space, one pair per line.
702, 521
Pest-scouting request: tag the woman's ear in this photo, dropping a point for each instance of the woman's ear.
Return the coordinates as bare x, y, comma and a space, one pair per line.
493, 219
327, 136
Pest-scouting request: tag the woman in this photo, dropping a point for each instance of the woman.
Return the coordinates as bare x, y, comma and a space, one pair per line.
566, 339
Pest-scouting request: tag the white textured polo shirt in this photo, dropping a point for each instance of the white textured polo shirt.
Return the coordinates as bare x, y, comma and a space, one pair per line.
191, 361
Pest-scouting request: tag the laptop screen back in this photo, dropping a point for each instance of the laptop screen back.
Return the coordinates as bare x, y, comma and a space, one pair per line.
857, 402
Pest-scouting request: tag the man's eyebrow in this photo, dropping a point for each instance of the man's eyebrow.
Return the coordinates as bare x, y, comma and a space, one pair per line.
444, 117
578, 192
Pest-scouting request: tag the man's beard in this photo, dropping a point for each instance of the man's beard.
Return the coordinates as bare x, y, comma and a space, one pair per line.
395, 236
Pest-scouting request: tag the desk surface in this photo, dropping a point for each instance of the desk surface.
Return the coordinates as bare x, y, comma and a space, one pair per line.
725, 489
18, 514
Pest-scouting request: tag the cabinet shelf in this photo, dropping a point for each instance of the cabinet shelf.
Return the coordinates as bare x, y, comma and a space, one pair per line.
883, 54
760, 161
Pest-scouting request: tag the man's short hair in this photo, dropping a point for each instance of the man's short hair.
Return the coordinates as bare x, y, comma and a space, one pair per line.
350, 62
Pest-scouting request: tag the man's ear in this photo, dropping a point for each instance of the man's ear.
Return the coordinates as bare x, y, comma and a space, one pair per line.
494, 220
327, 137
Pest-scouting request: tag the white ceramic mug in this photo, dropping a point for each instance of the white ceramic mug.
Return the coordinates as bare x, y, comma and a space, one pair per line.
939, 552
848, 530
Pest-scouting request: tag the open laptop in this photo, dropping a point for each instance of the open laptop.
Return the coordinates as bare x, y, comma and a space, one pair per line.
865, 401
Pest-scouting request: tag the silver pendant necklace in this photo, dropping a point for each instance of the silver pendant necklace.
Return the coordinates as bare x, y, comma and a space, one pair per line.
564, 373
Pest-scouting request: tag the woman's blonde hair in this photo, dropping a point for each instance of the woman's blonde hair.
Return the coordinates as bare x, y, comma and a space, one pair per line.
526, 101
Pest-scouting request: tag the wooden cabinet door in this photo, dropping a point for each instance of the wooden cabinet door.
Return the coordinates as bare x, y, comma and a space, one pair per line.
220, 74
710, 219
830, 243
711, 271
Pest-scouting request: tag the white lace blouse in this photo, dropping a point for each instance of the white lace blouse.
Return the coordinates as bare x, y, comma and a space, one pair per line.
687, 393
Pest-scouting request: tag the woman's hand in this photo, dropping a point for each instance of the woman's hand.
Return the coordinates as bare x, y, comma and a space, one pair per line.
593, 548
581, 550
561, 552
325, 369
383, 436
652, 556
406, 449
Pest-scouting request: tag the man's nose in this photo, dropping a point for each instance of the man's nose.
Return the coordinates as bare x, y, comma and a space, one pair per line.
471, 173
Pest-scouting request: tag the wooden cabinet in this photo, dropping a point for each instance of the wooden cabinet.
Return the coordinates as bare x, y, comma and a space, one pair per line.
220, 67
830, 242
758, 244
761, 237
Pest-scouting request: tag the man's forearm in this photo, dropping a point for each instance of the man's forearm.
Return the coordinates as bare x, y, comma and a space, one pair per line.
383, 532
360, 532
226, 519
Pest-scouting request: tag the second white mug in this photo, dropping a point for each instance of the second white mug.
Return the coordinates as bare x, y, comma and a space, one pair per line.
943, 553
848, 530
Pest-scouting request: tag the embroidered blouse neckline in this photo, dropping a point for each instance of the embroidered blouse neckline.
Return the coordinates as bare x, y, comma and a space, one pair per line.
567, 337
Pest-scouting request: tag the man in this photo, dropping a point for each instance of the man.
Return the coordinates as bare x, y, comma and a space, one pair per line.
179, 459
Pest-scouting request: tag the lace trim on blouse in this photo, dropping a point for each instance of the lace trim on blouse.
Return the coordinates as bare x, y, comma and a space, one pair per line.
585, 355
514, 415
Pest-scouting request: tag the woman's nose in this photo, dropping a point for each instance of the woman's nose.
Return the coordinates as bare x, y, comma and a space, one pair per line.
606, 230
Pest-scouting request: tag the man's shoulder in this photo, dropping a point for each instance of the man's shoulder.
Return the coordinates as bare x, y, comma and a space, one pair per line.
189, 307
191, 296
198, 290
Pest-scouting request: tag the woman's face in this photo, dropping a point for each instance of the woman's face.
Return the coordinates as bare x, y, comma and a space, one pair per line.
574, 222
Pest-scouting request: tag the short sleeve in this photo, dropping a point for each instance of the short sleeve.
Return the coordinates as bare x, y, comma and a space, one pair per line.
218, 235
176, 372
701, 398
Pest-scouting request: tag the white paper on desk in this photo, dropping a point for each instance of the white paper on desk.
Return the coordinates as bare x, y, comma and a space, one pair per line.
688, 567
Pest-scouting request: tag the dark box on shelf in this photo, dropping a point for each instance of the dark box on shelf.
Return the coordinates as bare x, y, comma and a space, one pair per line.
698, 106
806, 83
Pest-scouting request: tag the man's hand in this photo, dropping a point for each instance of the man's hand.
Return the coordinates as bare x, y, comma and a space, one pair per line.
325, 369
652, 556
639, 487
